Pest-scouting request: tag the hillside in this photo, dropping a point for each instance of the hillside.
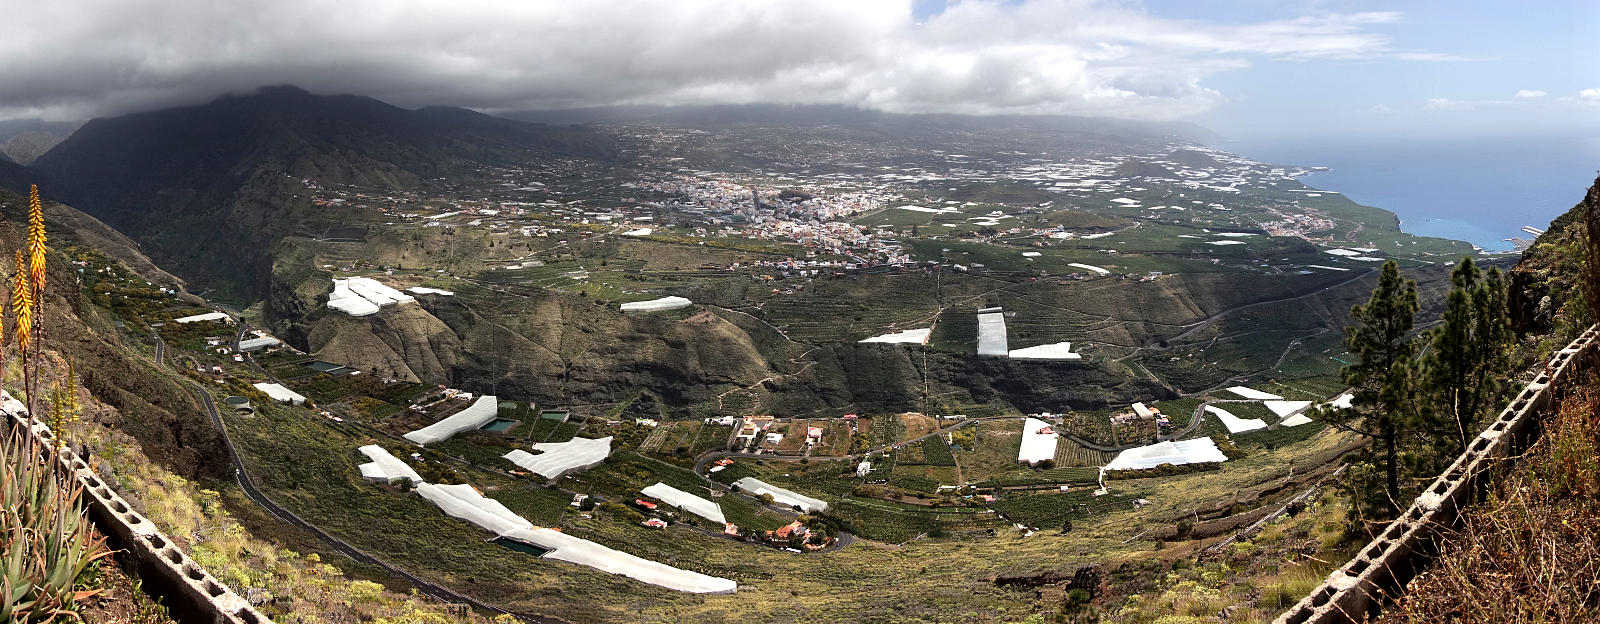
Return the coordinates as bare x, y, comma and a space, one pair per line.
213, 186
1545, 280
23, 140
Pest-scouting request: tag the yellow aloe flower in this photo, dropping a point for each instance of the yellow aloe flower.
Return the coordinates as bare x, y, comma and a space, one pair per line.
36, 241
22, 304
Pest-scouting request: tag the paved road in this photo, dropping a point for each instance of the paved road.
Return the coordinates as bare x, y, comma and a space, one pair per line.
248, 486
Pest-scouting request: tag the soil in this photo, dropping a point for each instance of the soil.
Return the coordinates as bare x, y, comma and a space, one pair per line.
120, 600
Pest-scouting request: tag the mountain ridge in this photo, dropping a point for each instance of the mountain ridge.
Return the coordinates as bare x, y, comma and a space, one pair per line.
215, 185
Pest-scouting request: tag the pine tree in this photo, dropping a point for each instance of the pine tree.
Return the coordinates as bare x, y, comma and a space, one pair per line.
1382, 379
1469, 352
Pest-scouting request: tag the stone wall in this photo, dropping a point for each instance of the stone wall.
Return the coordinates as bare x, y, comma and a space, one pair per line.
191, 594
1382, 568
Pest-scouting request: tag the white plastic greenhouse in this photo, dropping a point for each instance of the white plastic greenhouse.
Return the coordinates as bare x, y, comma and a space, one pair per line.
910, 336
560, 458
476, 415
1284, 408
1295, 421
1236, 424
1198, 450
657, 305
1250, 393
385, 467
281, 394
992, 333
563, 547
1037, 446
361, 296
466, 503
1055, 351
780, 495
198, 318
685, 501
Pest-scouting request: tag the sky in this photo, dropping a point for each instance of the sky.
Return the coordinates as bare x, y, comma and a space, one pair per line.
1244, 68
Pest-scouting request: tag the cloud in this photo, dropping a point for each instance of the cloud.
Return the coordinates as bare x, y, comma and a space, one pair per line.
1589, 94
1464, 105
1530, 93
75, 58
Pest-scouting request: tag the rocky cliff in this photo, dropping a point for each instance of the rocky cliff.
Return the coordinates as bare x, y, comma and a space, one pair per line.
1546, 280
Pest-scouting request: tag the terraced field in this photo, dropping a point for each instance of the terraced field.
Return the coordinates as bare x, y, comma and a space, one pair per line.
1279, 436
1069, 453
1055, 510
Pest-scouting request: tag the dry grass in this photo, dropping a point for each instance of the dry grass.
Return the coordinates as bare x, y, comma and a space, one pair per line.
917, 425
300, 587
1531, 551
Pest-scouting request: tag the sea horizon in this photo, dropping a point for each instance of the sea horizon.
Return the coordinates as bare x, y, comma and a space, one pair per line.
1478, 190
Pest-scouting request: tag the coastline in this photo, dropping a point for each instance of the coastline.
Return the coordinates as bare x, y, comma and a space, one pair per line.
1479, 191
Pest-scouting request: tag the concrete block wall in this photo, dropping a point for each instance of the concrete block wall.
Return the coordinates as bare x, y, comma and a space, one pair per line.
191, 594
1382, 568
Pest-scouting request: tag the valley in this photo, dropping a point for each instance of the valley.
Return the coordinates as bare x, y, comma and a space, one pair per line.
903, 370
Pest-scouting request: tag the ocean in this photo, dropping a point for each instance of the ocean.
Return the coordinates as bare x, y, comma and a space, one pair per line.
1477, 190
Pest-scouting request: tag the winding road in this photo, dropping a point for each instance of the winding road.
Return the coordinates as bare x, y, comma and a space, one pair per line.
248, 486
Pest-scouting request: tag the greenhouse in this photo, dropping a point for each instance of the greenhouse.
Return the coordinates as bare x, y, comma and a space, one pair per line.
1196, 451
1236, 424
281, 394
992, 332
780, 495
385, 467
657, 305
1038, 442
1250, 393
466, 503
685, 501
910, 336
560, 458
476, 415
1285, 408
257, 344
1055, 351
362, 296
200, 318
563, 547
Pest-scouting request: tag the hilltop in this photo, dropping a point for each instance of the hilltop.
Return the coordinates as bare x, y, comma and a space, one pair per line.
214, 186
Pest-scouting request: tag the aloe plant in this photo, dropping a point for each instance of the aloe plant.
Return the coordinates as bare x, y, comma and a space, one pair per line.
46, 541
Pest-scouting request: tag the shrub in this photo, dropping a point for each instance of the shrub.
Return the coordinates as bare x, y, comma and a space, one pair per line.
46, 540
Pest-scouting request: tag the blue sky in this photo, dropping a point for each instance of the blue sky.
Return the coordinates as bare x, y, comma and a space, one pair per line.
1471, 60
